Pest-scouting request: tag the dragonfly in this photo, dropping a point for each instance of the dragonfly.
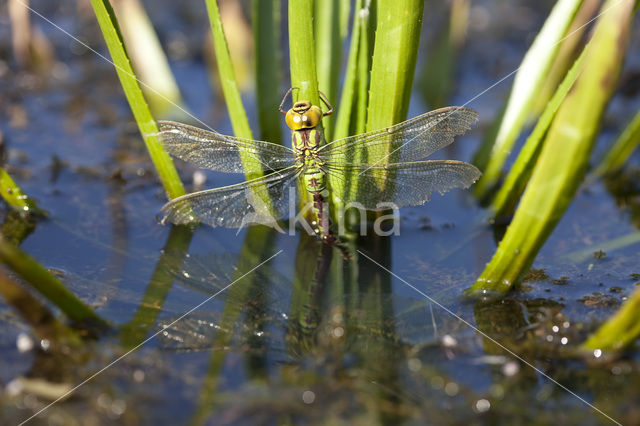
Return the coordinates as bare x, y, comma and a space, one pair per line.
385, 165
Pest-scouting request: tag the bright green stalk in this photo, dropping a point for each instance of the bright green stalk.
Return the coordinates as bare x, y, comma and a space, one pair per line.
362, 100
506, 199
620, 330
353, 103
621, 149
565, 154
266, 37
348, 97
31, 310
393, 66
364, 56
147, 125
302, 58
328, 53
394, 61
569, 49
302, 51
14, 196
526, 85
48, 285
148, 59
237, 114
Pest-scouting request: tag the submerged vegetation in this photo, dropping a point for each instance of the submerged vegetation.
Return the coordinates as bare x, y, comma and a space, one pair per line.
341, 305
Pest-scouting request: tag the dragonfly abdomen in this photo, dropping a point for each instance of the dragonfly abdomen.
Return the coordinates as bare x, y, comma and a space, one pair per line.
315, 184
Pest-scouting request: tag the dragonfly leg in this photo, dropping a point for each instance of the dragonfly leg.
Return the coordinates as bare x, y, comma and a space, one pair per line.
286, 95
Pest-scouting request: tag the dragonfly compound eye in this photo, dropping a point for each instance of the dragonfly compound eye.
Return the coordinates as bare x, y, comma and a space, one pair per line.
305, 116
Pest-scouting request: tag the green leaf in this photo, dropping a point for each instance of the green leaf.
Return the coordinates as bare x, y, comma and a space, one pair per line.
237, 114
14, 196
394, 61
565, 154
506, 199
231, 92
266, 37
619, 331
349, 94
302, 60
48, 285
328, 53
148, 59
526, 85
393, 66
302, 53
621, 150
146, 123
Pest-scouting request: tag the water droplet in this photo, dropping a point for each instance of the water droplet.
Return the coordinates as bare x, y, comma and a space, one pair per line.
597, 353
308, 397
45, 344
451, 388
566, 324
138, 376
14, 387
449, 341
555, 328
118, 406
24, 343
414, 364
549, 338
510, 368
338, 332
482, 405
564, 340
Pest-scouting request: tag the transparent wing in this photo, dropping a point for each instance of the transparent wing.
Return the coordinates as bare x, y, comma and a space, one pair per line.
263, 201
410, 140
404, 184
214, 151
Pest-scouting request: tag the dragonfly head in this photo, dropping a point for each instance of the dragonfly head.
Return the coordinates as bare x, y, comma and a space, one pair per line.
303, 115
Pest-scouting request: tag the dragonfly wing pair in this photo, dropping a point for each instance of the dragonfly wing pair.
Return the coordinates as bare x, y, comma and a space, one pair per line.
222, 153
259, 201
389, 156
236, 205
405, 184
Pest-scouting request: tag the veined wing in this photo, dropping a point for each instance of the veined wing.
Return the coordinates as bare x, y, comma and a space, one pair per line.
263, 200
211, 150
407, 184
410, 140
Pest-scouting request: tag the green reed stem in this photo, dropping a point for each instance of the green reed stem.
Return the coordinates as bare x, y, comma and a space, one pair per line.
48, 285
527, 83
513, 186
622, 148
565, 154
146, 123
266, 37
328, 53
14, 196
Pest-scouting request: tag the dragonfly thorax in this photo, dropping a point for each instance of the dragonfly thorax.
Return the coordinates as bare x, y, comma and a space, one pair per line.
303, 115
